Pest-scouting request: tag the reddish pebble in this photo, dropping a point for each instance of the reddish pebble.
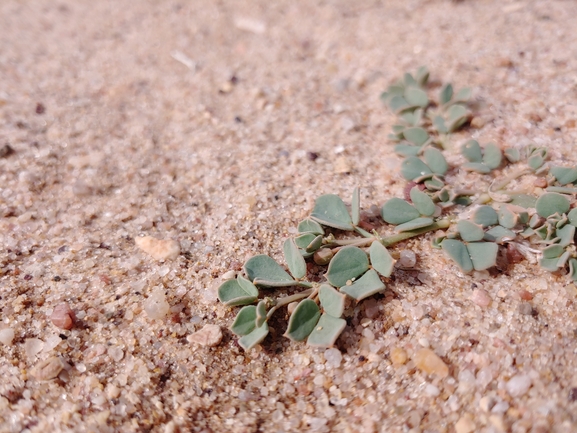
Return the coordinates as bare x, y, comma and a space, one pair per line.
481, 297
525, 295
63, 317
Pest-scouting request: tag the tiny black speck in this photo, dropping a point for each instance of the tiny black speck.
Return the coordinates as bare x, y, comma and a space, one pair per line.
573, 394
362, 358
57, 278
62, 336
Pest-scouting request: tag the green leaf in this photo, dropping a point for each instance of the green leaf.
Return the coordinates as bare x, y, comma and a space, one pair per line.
434, 184
326, 331
356, 207
303, 320
315, 244
422, 202
255, 337
407, 150
413, 167
524, 200
294, 259
347, 264
245, 321
462, 95
422, 76
416, 97
260, 314
439, 124
564, 175
310, 226
471, 150
304, 240
330, 211
381, 260
446, 94
553, 251
415, 224
492, 156
499, 234
470, 232
331, 300
550, 265
408, 80
237, 292
416, 135
398, 103
573, 217
551, 203
398, 211
459, 253
458, 115
435, 161
485, 216
478, 167
483, 254
507, 218
366, 286
264, 271
573, 269
512, 155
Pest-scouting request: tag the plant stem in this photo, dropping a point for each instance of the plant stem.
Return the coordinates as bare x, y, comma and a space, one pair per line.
287, 300
393, 239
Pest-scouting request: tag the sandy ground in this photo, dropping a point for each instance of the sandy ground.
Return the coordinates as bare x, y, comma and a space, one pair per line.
200, 121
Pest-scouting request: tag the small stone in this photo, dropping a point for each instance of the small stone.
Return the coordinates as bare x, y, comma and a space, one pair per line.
525, 308
525, 295
430, 363
333, 357
6, 151
159, 249
407, 259
398, 356
6, 336
63, 317
32, 347
498, 423
209, 335
156, 306
465, 424
486, 403
431, 390
481, 298
342, 165
48, 369
518, 385
477, 122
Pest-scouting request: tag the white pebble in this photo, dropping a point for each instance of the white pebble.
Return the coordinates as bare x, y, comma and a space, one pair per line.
481, 297
156, 306
159, 249
432, 390
6, 336
33, 346
518, 385
209, 335
333, 357
407, 259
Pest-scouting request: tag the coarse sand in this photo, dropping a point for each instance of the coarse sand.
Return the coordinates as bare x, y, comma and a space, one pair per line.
216, 124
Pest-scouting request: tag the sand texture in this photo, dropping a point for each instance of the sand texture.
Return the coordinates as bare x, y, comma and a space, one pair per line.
211, 127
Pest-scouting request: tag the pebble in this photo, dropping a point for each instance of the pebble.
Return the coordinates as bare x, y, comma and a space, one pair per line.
333, 357
159, 249
48, 369
32, 347
407, 259
465, 424
209, 335
428, 361
432, 390
398, 356
156, 306
481, 298
525, 308
342, 165
518, 385
63, 317
6, 336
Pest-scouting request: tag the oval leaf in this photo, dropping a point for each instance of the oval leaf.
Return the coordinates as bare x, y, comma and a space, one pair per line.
483, 254
381, 260
436, 161
331, 300
237, 292
295, 261
310, 226
416, 135
486, 216
398, 211
347, 264
493, 156
446, 94
458, 252
245, 321
330, 211
413, 167
499, 234
472, 151
470, 232
416, 97
326, 331
315, 244
303, 320
255, 337
304, 240
264, 271
366, 286
422, 202
564, 175
551, 203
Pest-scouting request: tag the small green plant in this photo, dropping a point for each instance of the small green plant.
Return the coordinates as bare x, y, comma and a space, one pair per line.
470, 225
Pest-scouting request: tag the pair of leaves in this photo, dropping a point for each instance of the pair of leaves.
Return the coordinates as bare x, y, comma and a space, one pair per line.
320, 330
472, 255
481, 160
331, 211
554, 257
409, 217
250, 324
350, 270
415, 169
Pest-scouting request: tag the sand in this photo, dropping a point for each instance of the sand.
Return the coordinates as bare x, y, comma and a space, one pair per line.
216, 125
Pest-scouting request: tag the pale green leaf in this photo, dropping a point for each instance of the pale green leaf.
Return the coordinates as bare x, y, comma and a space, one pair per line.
486, 216
413, 167
459, 253
295, 261
381, 260
331, 300
326, 331
435, 161
303, 320
237, 292
366, 286
422, 202
255, 337
416, 135
471, 150
551, 203
356, 207
264, 271
469, 231
245, 321
331, 211
347, 264
398, 211
483, 254
310, 226
415, 224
